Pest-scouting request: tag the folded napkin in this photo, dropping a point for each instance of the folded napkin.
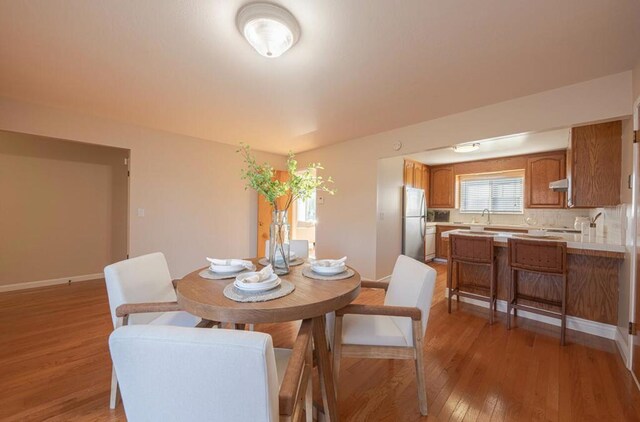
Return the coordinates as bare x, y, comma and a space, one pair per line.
329, 262
262, 275
244, 263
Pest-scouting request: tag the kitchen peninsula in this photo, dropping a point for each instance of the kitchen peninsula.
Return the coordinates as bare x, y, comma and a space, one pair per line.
593, 271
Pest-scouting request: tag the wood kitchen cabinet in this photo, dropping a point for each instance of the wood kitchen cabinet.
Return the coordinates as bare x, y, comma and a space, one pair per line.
442, 245
594, 160
540, 171
408, 173
442, 187
416, 175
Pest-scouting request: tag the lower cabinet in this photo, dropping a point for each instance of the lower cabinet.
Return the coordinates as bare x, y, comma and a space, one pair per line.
442, 245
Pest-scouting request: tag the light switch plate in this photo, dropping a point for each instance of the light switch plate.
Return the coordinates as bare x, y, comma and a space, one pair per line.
140, 212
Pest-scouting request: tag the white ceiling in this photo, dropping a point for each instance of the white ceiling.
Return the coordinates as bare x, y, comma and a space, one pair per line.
361, 66
504, 146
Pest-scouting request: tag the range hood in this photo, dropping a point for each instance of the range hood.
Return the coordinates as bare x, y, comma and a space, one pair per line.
561, 185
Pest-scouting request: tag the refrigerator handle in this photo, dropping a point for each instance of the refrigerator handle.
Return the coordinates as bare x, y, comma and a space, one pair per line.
423, 226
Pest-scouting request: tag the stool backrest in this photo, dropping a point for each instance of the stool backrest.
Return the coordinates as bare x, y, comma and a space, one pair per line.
538, 256
471, 248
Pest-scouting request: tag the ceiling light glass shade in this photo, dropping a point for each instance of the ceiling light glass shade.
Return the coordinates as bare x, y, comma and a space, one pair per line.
271, 30
466, 147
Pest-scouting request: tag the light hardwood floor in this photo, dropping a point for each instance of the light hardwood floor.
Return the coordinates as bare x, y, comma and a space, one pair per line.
54, 365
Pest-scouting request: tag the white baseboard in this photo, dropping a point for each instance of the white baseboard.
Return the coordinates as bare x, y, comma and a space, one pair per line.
574, 323
623, 346
51, 282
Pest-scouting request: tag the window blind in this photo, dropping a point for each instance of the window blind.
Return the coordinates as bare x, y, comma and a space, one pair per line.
499, 194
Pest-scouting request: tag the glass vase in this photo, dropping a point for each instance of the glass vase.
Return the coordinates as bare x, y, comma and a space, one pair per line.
279, 242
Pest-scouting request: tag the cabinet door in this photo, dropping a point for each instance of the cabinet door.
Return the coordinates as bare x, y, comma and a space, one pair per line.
596, 159
408, 173
417, 175
442, 187
425, 183
540, 171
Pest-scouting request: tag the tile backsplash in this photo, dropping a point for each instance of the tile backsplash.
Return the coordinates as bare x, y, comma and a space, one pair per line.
612, 224
546, 218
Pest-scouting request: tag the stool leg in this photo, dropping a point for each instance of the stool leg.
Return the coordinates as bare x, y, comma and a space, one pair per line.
515, 292
449, 283
491, 293
510, 299
563, 321
458, 283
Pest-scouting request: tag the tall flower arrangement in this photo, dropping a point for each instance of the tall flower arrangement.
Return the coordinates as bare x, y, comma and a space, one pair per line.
300, 184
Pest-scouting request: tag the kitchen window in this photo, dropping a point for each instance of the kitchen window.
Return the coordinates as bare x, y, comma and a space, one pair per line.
499, 193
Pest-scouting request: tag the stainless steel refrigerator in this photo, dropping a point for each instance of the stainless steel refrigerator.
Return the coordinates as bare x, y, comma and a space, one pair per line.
414, 218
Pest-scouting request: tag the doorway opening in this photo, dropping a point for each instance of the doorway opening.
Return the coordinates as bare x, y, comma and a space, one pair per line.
64, 213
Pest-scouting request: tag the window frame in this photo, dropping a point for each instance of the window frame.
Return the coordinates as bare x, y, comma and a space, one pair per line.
510, 174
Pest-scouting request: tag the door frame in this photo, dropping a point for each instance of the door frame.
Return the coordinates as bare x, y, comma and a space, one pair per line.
634, 285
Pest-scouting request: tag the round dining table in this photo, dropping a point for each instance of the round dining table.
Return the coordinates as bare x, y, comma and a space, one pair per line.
311, 299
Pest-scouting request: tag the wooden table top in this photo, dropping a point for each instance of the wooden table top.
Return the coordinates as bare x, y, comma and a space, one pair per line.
311, 298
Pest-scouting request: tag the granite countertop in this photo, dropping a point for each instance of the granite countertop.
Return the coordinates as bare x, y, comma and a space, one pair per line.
574, 241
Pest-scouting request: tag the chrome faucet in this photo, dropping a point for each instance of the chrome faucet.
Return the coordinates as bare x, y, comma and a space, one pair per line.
488, 215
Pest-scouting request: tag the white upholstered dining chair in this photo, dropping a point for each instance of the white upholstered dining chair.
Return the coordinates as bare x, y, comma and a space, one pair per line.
190, 374
141, 291
297, 246
394, 330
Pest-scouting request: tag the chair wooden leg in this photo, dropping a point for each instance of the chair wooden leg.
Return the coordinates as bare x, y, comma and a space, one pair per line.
115, 390
337, 350
422, 389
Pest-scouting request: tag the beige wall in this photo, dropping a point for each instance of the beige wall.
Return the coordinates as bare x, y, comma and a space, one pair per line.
389, 207
63, 208
348, 222
636, 81
195, 203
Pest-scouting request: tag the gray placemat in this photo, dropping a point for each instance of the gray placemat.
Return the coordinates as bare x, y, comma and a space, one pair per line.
207, 273
235, 294
294, 263
309, 273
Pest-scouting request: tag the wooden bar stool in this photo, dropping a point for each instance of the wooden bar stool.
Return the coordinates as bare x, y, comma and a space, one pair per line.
474, 250
540, 257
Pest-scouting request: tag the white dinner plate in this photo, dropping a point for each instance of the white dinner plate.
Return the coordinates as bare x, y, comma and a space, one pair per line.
329, 270
226, 268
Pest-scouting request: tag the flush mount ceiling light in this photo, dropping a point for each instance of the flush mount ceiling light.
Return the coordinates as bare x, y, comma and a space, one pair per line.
270, 29
466, 147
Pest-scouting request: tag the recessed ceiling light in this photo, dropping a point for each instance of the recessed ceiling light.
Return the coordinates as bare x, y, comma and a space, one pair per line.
466, 147
270, 29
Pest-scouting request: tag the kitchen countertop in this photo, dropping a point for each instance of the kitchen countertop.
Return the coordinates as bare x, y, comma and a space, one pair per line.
501, 226
574, 241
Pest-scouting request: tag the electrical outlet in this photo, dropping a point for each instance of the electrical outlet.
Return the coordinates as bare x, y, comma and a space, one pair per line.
140, 212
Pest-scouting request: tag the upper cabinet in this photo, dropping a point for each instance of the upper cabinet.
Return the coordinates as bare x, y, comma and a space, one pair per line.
408, 172
540, 171
594, 160
416, 175
442, 187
